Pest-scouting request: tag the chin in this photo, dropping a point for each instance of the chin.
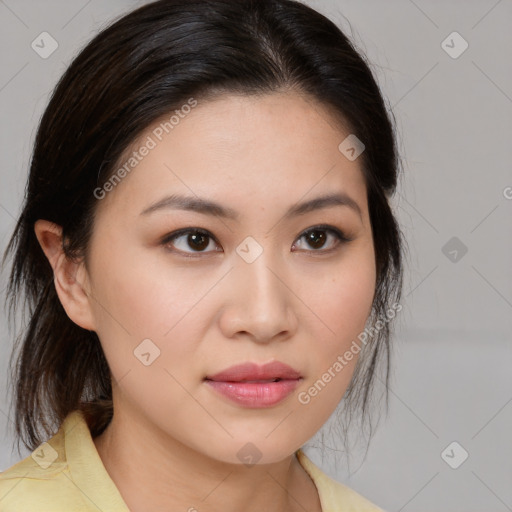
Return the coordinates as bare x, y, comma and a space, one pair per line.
249, 453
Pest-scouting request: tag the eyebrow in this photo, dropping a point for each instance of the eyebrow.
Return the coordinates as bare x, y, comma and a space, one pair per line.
207, 207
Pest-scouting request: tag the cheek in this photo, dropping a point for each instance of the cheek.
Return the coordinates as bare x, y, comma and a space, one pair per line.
136, 301
343, 300
143, 296
146, 333
350, 301
342, 304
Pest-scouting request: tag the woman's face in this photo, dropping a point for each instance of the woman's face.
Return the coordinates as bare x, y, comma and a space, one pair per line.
260, 283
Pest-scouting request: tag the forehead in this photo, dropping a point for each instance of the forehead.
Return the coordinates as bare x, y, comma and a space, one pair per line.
268, 148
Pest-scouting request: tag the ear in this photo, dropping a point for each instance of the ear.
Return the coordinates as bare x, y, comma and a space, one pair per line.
70, 277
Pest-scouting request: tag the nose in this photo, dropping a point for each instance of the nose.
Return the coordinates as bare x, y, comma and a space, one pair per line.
260, 303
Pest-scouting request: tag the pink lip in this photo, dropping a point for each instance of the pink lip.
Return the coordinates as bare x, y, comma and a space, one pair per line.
253, 371
238, 383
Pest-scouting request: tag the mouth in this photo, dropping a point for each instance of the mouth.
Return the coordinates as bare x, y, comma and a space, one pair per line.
255, 394
253, 372
255, 386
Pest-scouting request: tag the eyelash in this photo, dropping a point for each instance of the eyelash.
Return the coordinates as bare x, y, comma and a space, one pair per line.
341, 237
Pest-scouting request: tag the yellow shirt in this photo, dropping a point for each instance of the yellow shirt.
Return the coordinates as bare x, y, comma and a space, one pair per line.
66, 474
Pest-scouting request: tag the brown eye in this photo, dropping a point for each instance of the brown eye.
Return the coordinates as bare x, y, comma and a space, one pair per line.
190, 241
198, 241
318, 237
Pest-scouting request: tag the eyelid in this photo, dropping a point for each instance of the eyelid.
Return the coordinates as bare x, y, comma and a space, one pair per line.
344, 236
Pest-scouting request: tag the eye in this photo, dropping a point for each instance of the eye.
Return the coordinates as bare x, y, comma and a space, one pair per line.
193, 242
318, 237
196, 239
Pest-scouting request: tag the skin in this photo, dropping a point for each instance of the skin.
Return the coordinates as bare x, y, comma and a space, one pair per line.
173, 441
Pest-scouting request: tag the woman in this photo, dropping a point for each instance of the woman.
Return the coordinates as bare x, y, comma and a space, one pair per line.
210, 261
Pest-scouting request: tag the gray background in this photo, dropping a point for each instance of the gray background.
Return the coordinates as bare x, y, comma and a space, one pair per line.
451, 378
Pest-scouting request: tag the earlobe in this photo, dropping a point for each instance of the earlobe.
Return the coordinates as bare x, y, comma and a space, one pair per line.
70, 277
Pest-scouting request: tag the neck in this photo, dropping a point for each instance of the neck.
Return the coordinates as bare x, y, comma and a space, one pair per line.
154, 472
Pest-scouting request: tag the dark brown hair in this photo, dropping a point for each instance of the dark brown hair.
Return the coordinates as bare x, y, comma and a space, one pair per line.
141, 67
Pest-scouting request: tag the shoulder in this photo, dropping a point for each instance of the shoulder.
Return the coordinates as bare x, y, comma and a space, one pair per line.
335, 496
41, 481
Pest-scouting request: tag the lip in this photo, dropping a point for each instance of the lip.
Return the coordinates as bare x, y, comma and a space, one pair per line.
253, 385
253, 371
